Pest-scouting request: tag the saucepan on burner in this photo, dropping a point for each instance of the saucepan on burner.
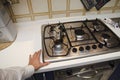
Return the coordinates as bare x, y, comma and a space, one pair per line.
58, 48
57, 45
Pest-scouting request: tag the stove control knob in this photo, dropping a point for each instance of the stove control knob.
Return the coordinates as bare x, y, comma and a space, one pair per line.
94, 46
87, 47
74, 50
100, 45
81, 49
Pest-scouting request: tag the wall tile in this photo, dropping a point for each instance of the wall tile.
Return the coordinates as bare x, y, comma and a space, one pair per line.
27, 10
75, 4
39, 6
58, 5
110, 3
20, 8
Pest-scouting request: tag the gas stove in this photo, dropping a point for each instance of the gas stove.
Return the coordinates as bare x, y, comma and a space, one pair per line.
77, 39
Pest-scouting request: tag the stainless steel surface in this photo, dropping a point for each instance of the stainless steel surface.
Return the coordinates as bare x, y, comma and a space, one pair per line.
71, 40
117, 22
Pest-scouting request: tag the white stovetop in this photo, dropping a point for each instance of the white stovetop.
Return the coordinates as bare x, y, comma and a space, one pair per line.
29, 40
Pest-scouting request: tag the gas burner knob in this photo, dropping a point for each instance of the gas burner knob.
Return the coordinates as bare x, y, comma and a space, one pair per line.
81, 49
74, 50
94, 46
87, 47
100, 45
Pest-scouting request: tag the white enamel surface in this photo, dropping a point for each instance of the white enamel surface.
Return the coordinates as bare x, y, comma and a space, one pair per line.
29, 40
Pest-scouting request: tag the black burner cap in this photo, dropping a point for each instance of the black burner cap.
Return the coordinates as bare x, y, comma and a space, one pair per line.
59, 41
106, 36
79, 32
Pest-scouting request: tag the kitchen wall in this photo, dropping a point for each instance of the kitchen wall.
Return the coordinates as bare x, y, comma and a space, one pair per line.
30, 10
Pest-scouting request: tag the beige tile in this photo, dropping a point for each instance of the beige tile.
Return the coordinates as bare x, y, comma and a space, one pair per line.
20, 8
110, 3
39, 6
58, 5
76, 4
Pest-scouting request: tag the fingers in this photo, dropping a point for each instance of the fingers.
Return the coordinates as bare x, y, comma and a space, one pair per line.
39, 53
35, 60
29, 57
45, 64
35, 55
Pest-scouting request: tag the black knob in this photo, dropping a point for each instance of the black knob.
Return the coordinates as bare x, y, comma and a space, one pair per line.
74, 50
94, 46
87, 47
100, 45
81, 49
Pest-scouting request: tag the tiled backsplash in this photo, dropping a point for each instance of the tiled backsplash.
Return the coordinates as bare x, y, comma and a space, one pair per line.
27, 10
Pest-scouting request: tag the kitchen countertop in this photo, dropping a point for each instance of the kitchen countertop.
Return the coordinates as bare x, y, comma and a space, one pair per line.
29, 40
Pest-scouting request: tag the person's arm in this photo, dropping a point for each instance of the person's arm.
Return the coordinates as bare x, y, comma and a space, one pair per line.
21, 73
16, 73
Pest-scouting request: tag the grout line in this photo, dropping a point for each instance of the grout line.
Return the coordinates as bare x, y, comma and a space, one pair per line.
41, 14
30, 9
67, 8
35, 14
50, 8
59, 12
55, 12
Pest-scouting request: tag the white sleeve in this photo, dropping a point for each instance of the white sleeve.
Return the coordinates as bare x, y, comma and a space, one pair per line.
16, 73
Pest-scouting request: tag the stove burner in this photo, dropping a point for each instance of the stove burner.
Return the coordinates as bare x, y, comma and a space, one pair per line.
108, 40
97, 26
105, 36
80, 34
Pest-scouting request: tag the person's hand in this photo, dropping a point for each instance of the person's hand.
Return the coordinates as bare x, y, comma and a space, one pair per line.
34, 60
